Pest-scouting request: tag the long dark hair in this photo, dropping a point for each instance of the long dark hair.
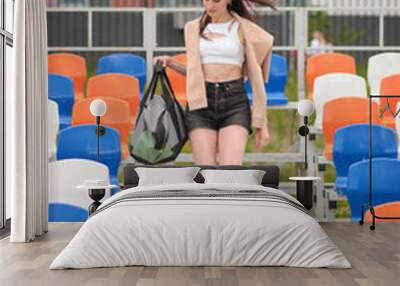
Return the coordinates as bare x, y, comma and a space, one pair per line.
241, 7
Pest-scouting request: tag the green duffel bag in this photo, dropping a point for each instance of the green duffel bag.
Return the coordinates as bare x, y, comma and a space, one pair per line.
160, 131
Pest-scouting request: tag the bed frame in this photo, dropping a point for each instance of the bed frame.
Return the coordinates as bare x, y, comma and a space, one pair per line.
270, 179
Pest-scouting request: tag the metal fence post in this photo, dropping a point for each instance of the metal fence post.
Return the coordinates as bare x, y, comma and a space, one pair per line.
381, 28
90, 24
301, 44
320, 207
149, 37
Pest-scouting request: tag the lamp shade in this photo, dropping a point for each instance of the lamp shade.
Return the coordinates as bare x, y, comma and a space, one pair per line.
305, 107
98, 107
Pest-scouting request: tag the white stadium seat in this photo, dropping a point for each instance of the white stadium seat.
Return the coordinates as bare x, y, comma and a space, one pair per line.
53, 123
380, 66
335, 85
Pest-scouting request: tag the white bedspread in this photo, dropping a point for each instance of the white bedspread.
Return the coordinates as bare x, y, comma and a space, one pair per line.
183, 231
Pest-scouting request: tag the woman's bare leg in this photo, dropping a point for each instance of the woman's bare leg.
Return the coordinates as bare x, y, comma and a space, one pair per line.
204, 146
232, 142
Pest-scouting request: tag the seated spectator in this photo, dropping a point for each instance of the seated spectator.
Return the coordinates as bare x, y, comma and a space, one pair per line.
319, 44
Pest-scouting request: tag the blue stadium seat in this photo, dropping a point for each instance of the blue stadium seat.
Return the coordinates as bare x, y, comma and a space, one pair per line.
59, 212
385, 186
275, 87
81, 142
61, 90
130, 64
351, 144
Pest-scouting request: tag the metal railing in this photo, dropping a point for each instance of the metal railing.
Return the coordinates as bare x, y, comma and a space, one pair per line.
150, 24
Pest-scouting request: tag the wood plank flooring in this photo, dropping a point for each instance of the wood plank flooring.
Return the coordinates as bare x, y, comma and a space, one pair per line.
375, 257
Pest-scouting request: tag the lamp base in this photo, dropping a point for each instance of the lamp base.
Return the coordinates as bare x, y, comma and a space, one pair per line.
304, 130
304, 190
96, 195
100, 130
93, 207
304, 193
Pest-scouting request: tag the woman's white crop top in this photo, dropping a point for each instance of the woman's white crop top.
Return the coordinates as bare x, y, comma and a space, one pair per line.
225, 49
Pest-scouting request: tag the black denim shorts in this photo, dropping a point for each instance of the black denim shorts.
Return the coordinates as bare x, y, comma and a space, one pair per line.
227, 105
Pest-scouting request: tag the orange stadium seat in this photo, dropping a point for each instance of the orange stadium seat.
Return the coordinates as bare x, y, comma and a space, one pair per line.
178, 81
384, 210
132, 3
327, 63
342, 112
390, 85
70, 65
117, 117
116, 85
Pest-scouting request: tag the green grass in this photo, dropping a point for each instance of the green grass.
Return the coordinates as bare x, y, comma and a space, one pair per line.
342, 210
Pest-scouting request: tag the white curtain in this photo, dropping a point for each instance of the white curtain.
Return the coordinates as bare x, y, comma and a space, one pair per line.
26, 123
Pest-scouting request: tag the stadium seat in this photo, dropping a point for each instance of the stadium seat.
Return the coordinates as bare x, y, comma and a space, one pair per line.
70, 65
384, 210
61, 90
66, 202
116, 85
381, 66
132, 3
275, 87
385, 187
80, 142
390, 85
351, 144
321, 64
130, 64
342, 112
397, 121
117, 116
178, 81
336, 85
127, 3
53, 125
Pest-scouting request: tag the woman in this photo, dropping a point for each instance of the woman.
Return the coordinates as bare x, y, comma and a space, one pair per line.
223, 46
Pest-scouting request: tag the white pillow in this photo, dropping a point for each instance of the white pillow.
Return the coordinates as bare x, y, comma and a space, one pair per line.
163, 176
248, 177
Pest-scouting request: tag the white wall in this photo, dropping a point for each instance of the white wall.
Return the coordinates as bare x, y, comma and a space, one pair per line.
9, 24
8, 69
9, 12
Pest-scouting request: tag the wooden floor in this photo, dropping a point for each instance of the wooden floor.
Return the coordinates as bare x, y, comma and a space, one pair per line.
375, 257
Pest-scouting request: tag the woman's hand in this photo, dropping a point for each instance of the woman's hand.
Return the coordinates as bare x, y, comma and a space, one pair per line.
262, 137
163, 59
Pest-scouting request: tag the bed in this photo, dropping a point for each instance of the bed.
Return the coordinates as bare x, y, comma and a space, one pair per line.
201, 224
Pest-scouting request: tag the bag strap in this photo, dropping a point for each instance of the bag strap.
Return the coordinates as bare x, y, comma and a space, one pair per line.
168, 93
150, 91
149, 94
170, 99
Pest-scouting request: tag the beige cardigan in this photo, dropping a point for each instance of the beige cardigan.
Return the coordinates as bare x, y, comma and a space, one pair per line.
258, 51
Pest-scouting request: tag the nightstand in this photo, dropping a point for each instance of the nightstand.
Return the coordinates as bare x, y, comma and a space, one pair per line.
304, 190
